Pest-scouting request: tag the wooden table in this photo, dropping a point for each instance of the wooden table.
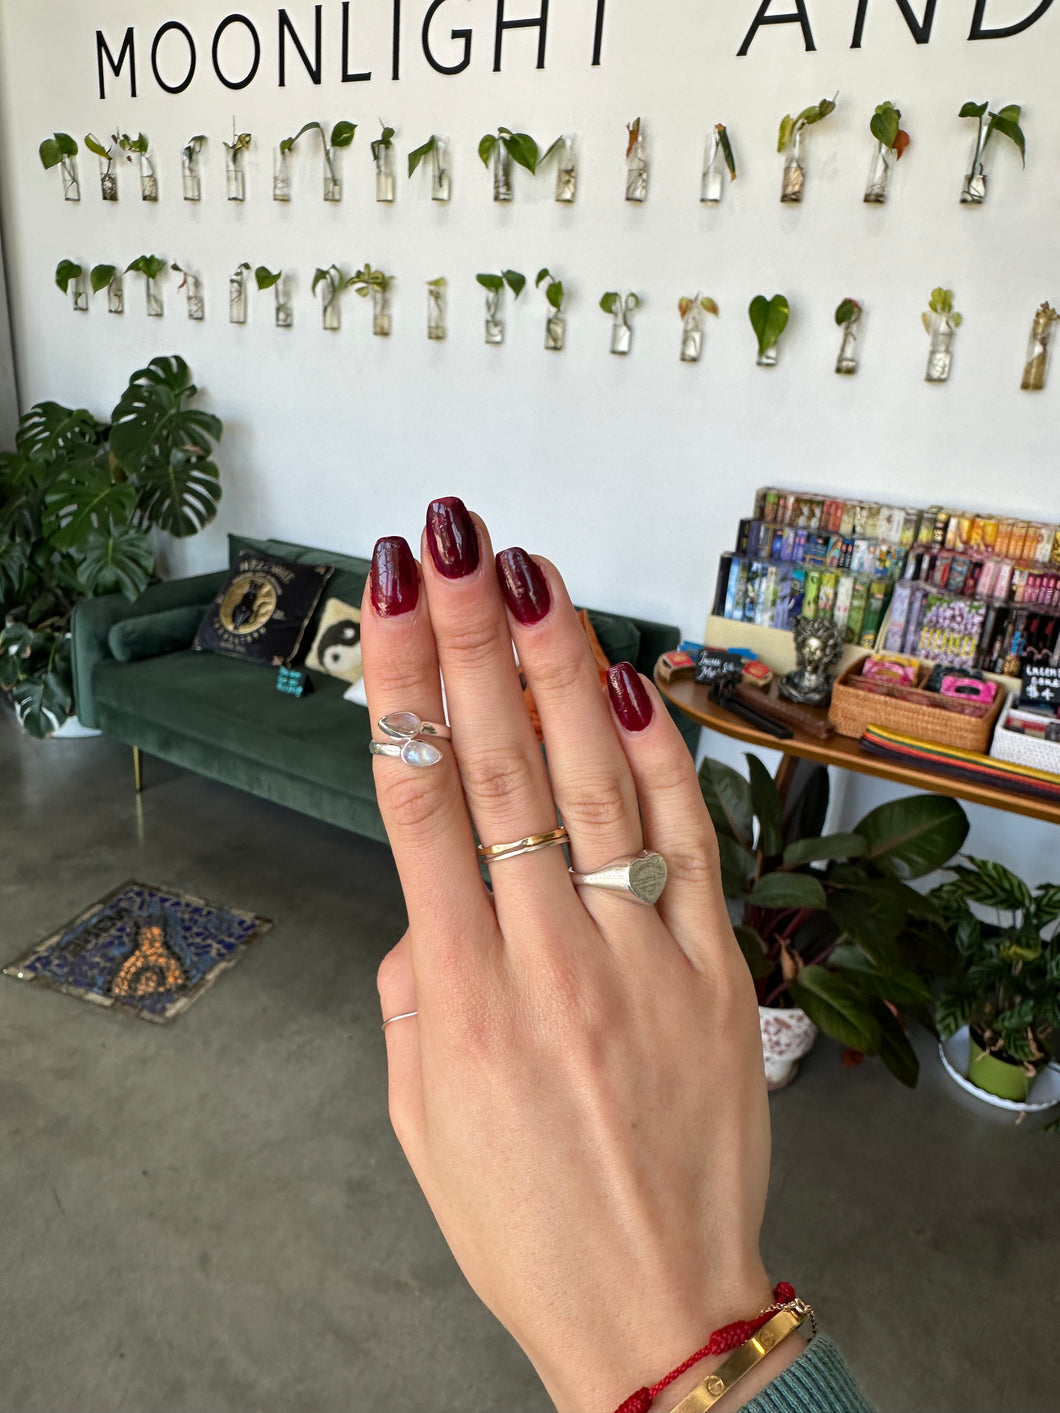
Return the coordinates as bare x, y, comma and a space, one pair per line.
843, 751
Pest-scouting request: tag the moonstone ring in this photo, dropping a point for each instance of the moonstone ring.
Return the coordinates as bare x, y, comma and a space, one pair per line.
406, 726
639, 876
418, 753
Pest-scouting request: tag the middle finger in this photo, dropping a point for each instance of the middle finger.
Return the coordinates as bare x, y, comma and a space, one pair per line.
501, 765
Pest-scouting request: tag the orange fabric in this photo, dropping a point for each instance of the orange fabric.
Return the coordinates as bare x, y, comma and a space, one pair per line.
602, 665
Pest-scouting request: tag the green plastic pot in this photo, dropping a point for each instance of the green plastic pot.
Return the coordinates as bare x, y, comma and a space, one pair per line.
1008, 1079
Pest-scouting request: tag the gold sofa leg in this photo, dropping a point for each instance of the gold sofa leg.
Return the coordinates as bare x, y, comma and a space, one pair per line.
138, 769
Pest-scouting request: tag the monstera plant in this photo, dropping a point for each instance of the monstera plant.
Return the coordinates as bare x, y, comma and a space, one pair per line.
830, 923
78, 500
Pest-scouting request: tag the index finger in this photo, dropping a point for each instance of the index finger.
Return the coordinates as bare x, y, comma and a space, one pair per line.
423, 808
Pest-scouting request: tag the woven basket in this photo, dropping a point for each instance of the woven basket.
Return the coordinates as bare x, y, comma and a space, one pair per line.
852, 711
1024, 750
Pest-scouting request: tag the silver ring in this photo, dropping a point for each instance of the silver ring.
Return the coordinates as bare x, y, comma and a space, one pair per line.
405, 1015
406, 726
639, 876
418, 753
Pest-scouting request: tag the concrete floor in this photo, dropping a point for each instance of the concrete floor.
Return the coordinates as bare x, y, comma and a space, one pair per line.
215, 1215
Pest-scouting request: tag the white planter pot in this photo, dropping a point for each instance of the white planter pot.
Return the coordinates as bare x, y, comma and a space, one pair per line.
71, 729
786, 1037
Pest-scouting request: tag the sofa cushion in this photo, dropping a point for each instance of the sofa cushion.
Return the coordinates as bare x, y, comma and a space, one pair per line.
169, 630
619, 637
262, 610
238, 544
231, 706
336, 647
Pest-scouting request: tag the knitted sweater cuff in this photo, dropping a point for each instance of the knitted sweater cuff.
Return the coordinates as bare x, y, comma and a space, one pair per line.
817, 1382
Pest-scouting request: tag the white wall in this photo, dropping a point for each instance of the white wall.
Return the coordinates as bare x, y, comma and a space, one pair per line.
632, 473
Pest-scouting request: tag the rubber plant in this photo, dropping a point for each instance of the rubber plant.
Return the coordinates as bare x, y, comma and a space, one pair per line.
831, 923
79, 500
891, 142
789, 139
504, 147
1005, 121
769, 319
1006, 984
60, 150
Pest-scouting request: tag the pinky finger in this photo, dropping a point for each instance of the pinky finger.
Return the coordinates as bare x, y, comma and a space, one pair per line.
675, 818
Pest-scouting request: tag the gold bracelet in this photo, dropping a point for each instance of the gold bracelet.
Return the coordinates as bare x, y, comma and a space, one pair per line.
741, 1361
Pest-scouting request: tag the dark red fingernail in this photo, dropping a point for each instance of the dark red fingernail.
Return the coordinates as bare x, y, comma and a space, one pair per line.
452, 538
631, 702
395, 578
524, 587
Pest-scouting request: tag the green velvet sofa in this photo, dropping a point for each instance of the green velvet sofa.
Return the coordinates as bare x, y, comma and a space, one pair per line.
225, 718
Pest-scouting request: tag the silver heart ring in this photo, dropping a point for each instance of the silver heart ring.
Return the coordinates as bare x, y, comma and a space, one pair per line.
406, 726
639, 876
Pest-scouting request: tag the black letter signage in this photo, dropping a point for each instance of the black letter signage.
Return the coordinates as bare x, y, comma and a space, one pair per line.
347, 76
173, 87
127, 49
287, 28
798, 16
236, 20
978, 32
540, 23
464, 34
919, 29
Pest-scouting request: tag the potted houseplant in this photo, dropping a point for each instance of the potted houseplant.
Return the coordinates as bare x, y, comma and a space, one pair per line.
1006, 986
891, 141
789, 140
502, 148
620, 306
717, 158
109, 278
769, 319
941, 321
834, 935
70, 277
235, 172
383, 157
190, 175
60, 150
437, 149
150, 266
79, 500
375, 283
1007, 122
265, 278
691, 311
848, 317
494, 287
108, 178
341, 136
555, 324
331, 282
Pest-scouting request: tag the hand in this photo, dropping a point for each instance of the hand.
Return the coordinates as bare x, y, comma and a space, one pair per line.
581, 1094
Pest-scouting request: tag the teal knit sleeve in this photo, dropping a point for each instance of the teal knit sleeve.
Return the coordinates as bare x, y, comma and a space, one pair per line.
818, 1382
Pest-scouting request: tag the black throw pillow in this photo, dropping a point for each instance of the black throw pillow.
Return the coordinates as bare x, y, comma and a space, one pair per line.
262, 609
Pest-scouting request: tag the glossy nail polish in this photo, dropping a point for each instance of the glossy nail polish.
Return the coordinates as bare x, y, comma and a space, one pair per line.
524, 587
452, 538
631, 702
395, 582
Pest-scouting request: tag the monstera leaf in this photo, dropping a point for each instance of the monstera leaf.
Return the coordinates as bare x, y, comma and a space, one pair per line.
153, 418
42, 705
49, 431
180, 496
84, 497
116, 560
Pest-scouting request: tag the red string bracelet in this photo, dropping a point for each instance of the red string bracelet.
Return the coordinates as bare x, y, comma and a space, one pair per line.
722, 1341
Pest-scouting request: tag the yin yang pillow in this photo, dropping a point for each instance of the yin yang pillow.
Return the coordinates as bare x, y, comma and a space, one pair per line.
336, 648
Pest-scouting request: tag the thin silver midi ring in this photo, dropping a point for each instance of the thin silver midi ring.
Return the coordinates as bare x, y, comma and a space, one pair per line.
641, 877
416, 752
405, 1015
406, 726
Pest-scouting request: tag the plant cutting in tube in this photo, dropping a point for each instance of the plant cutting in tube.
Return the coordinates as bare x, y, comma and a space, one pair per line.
108, 277
375, 283
848, 317
1006, 121
191, 177
789, 139
108, 181
332, 282
504, 147
691, 311
636, 163
437, 149
193, 284
341, 136
383, 157
716, 160
769, 319
555, 324
1036, 363
150, 266
60, 150
141, 148
941, 321
68, 273
620, 307
235, 175
566, 167
436, 307
891, 142
494, 287
265, 278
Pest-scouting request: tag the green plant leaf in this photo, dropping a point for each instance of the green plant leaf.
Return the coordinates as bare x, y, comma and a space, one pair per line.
902, 985
837, 1006
150, 266
873, 916
728, 798
787, 127
754, 951
807, 813
94, 145
486, 146
266, 278
417, 156
726, 149
765, 799
514, 281
895, 1050
42, 705
152, 419
180, 497
788, 890
68, 146
542, 274
993, 885
973, 110
552, 148
1010, 128
50, 153
846, 310
116, 560
913, 836
523, 149
737, 866
322, 276
289, 142
85, 497
884, 124
50, 432
830, 846
769, 319
342, 134
101, 277
492, 282
554, 294
65, 271
609, 301
1046, 903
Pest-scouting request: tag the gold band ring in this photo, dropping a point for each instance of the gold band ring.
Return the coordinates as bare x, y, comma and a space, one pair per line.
492, 852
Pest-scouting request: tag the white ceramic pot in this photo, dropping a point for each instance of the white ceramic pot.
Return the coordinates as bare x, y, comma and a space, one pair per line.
786, 1037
